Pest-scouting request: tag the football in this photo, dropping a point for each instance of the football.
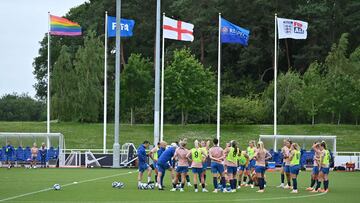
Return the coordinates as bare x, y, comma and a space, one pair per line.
56, 187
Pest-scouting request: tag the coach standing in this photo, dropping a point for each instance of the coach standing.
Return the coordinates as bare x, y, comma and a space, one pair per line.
43, 154
143, 165
9, 152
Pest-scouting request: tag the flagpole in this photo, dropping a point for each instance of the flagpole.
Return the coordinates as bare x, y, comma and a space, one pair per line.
162, 86
157, 74
116, 146
105, 82
48, 79
275, 83
218, 82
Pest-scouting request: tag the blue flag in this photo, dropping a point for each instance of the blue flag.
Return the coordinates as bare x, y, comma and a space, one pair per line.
126, 27
231, 33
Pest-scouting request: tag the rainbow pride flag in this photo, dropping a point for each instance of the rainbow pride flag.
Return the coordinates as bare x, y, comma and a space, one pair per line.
63, 27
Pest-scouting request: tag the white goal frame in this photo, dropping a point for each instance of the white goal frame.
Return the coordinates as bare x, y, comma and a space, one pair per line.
299, 139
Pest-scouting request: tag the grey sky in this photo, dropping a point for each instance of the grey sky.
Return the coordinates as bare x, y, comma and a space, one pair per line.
24, 24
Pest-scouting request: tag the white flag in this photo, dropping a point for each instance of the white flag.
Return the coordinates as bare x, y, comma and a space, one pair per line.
295, 29
178, 30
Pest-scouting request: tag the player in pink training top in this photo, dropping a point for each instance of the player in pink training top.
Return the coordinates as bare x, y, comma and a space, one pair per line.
196, 155
216, 154
261, 156
183, 165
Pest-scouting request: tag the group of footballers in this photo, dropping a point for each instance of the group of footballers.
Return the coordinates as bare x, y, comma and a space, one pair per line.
229, 166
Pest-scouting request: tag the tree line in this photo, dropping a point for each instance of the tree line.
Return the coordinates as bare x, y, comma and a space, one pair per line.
316, 83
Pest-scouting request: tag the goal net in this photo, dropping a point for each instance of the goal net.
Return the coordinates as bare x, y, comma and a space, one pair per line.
23, 142
304, 141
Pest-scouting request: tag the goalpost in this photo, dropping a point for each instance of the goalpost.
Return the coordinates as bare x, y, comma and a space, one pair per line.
22, 142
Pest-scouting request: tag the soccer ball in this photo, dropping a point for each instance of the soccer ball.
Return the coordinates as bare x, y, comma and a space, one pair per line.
56, 187
118, 185
114, 184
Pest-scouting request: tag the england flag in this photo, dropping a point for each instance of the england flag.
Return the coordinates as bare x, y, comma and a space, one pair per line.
294, 29
177, 30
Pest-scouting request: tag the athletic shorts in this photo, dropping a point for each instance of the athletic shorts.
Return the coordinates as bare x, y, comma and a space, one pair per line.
283, 164
287, 168
34, 158
260, 169
143, 166
182, 169
231, 170
204, 166
295, 169
197, 170
315, 170
251, 164
325, 170
217, 168
162, 167
241, 168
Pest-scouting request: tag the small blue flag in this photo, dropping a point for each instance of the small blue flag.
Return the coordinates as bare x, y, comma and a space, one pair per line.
231, 33
126, 27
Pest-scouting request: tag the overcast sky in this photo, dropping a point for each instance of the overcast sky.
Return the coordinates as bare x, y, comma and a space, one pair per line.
24, 24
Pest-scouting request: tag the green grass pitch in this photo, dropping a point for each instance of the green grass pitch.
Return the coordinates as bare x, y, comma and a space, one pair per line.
94, 185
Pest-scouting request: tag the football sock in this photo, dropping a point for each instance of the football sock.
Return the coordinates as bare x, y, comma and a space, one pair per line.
174, 185
312, 183
239, 182
282, 178
162, 179
244, 179
289, 183
234, 183
155, 178
195, 186
203, 185
294, 183
188, 178
326, 184
261, 183
215, 182
223, 182
182, 185
318, 185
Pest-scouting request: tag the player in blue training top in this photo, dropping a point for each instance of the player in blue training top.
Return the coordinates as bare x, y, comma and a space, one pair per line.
9, 153
163, 163
142, 157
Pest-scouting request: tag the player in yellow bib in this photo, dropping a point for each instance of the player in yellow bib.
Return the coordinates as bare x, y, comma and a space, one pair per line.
196, 155
294, 157
243, 160
205, 148
324, 168
250, 150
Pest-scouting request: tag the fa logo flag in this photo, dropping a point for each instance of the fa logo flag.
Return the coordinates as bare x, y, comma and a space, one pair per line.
126, 27
294, 29
231, 33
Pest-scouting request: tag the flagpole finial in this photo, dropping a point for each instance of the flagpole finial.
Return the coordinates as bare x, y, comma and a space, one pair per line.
163, 13
275, 14
219, 14
106, 12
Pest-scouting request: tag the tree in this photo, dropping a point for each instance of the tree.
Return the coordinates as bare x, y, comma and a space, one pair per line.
137, 83
63, 86
88, 68
188, 85
313, 91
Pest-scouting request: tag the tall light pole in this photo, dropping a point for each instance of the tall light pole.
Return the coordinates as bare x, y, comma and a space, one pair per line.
116, 152
157, 75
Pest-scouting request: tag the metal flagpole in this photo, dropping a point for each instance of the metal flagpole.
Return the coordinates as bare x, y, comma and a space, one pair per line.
105, 82
157, 74
162, 87
218, 82
116, 147
48, 80
275, 84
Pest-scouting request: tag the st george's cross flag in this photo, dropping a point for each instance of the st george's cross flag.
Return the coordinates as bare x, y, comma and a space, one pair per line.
177, 30
289, 28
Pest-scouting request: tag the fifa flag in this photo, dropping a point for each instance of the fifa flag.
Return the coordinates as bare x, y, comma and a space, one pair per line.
177, 30
231, 33
126, 27
294, 29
